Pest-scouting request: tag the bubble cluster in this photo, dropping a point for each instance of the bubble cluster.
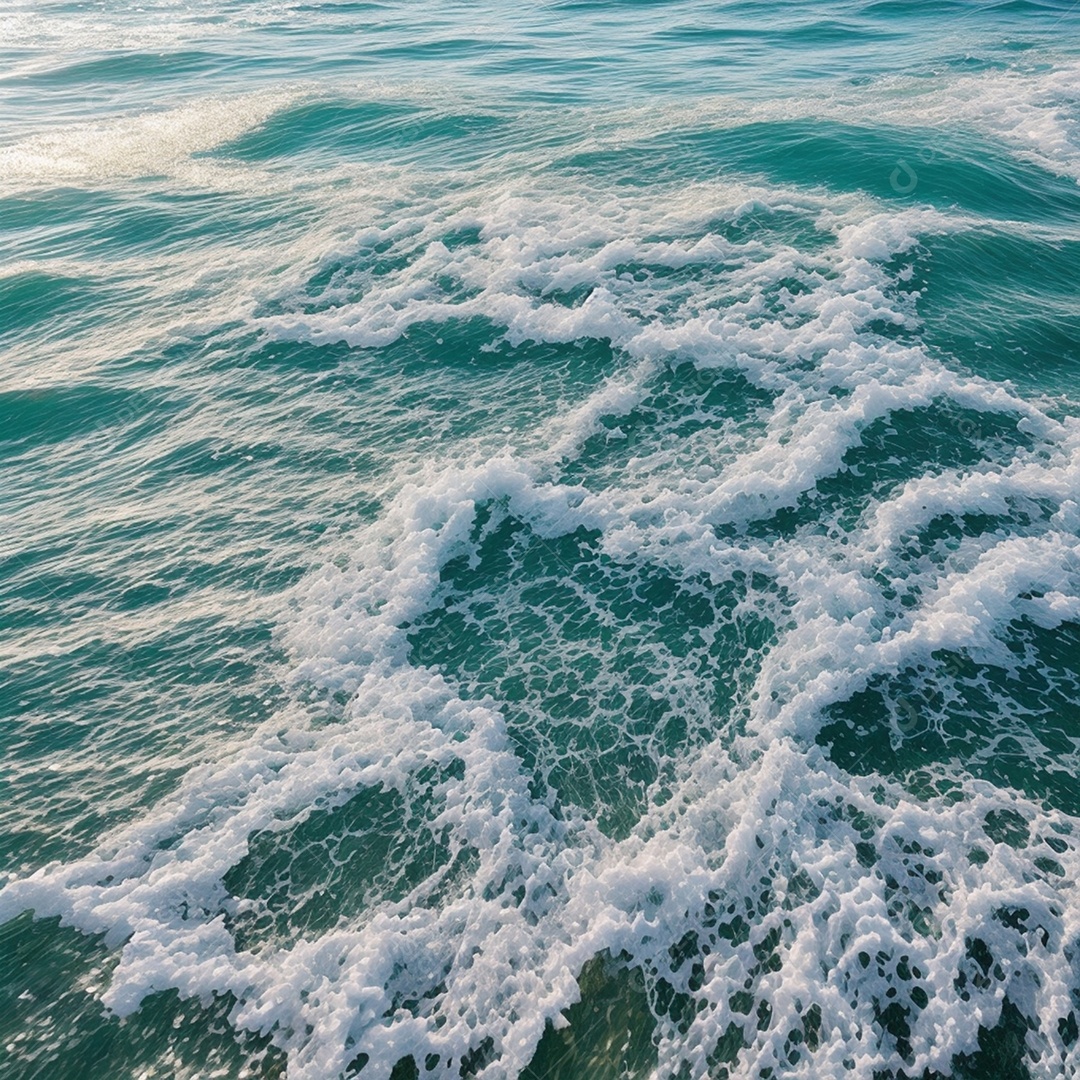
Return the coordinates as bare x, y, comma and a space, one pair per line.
622, 710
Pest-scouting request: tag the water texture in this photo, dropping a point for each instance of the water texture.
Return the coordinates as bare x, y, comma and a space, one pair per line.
540, 540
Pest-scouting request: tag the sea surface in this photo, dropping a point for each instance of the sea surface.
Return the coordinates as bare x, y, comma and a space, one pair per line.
540, 540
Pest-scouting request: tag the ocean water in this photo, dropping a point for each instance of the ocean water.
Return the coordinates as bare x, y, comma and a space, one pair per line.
540, 540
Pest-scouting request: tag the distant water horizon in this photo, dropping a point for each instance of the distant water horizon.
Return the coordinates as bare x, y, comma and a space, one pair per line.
540, 541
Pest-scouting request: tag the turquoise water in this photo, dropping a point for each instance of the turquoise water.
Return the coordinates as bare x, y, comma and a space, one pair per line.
540, 540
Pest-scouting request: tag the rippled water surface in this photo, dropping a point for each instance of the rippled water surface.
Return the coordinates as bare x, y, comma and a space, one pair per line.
540, 540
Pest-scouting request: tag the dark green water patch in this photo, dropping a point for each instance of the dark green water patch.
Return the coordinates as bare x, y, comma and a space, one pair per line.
94, 732
1015, 726
117, 67
898, 165
40, 417
684, 401
52, 1022
1002, 1053
375, 131
338, 862
902, 446
908, 443
610, 1030
438, 383
800, 229
894, 164
1004, 305
34, 297
606, 673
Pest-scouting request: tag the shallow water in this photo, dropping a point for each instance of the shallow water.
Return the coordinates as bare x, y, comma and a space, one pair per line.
540, 542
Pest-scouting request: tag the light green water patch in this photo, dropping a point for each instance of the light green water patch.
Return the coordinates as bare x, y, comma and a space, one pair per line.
145, 215
313, 126
34, 298
803, 31
25, 219
437, 386
163, 219
95, 731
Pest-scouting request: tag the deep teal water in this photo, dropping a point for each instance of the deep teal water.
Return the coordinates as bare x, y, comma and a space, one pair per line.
540, 540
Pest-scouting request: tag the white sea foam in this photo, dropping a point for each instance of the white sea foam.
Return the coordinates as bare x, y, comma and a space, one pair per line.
150, 144
817, 898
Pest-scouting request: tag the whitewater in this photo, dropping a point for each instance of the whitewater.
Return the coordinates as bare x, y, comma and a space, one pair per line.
540, 542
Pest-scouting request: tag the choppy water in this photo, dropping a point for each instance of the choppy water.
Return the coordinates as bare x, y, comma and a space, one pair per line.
516, 514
